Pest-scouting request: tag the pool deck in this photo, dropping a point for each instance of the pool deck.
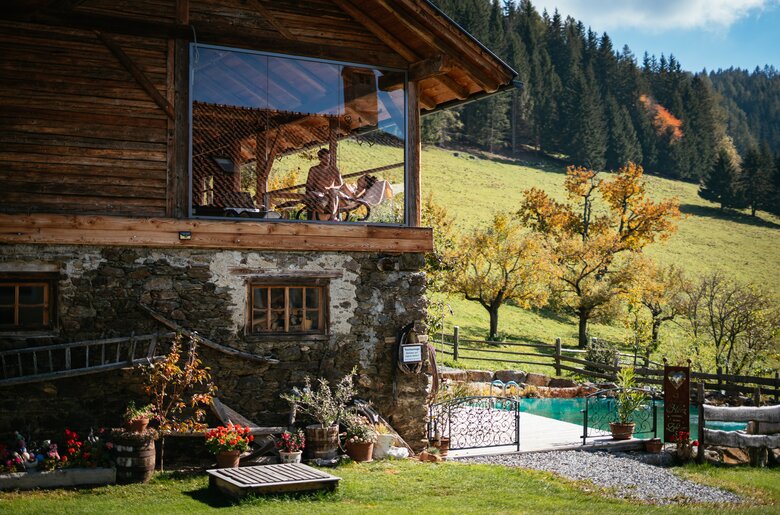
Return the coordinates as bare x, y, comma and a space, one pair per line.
547, 434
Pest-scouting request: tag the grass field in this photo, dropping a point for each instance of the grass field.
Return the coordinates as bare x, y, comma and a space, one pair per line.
473, 187
400, 487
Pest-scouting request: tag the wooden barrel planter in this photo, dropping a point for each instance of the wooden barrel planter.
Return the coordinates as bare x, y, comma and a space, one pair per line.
322, 442
135, 457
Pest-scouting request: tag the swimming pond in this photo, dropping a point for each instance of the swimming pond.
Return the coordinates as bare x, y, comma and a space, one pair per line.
570, 410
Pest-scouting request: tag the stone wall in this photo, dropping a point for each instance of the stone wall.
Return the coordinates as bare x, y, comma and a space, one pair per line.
206, 291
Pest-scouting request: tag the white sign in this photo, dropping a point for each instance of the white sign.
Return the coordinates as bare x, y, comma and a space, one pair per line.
411, 353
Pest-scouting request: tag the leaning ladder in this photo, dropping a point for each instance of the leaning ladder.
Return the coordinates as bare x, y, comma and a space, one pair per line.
44, 363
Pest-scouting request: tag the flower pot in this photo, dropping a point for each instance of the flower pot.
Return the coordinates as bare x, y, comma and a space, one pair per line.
654, 445
135, 458
443, 444
137, 425
360, 451
382, 446
322, 442
290, 457
621, 431
228, 459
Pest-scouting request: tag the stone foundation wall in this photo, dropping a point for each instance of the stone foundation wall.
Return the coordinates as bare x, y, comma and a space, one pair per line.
206, 291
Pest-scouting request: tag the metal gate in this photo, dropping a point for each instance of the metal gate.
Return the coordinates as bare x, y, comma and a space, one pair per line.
476, 422
601, 409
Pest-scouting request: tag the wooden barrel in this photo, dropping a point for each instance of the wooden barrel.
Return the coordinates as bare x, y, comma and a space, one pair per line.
322, 442
135, 459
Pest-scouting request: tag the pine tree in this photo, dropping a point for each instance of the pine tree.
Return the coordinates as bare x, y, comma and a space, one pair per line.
590, 132
721, 183
756, 177
623, 145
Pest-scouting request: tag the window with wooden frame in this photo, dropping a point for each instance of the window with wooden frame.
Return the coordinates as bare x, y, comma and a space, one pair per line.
27, 302
289, 308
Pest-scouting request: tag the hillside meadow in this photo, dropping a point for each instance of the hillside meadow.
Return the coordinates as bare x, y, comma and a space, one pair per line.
473, 187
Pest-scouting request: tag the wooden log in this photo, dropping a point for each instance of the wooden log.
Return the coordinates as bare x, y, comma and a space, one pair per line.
413, 188
740, 439
742, 414
205, 341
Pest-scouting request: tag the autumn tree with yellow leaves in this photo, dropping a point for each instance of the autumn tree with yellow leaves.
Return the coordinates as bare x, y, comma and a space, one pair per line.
594, 246
498, 264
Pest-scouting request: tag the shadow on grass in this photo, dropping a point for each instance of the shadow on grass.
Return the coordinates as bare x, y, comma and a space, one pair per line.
727, 214
215, 499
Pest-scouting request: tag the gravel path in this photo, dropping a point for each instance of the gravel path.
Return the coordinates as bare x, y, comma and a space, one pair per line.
628, 477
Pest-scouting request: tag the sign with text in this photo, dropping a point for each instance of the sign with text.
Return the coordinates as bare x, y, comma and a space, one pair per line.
677, 401
411, 353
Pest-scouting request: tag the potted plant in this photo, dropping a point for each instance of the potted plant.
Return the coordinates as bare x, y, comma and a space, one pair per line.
654, 445
684, 450
290, 446
385, 438
227, 443
431, 454
359, 438
628, 399
328, 406
137, 418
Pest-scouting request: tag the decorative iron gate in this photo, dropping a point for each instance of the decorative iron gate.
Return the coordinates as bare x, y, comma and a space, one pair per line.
476, 422
600, 410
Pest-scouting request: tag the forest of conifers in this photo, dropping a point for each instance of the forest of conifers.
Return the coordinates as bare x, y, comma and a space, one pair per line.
601, 108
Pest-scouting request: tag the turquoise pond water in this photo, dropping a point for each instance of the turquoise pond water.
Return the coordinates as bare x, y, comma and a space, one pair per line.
570, 410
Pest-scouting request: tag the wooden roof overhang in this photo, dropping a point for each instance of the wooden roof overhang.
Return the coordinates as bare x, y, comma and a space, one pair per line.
444, 66
447, 62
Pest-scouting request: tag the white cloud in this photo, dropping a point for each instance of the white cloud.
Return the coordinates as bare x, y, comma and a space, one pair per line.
656, 15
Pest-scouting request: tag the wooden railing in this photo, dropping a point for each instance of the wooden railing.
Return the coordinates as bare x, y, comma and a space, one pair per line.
47, 362
573, 360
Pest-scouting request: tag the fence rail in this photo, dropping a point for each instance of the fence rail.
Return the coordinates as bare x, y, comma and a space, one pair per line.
563, 359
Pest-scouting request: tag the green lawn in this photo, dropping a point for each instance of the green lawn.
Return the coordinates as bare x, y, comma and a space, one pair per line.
472, 188
398, 487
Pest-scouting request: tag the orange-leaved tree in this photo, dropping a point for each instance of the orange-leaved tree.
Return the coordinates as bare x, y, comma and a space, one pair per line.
593, 246
499, 264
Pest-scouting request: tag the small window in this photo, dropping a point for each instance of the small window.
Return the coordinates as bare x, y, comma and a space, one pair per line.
288, 309
27, 302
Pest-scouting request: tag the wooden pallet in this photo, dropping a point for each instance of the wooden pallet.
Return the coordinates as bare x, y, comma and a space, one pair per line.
266, 479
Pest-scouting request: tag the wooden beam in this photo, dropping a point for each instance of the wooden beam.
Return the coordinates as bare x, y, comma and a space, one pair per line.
742, 414
425, 101
212, 234
137, 74
183, 12
412, 194
461, 92
270, 18
741, 440
230, 351
407, 16
430, 67
386, 37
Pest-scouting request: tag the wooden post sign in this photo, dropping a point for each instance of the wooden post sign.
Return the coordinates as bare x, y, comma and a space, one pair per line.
677, 401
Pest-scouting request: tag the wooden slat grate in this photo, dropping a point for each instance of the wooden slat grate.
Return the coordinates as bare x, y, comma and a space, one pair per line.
269, 475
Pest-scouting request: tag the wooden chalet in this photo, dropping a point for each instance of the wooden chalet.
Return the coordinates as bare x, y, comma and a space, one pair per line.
154, 154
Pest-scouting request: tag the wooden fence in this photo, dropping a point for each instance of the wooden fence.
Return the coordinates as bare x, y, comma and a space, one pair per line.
573, 360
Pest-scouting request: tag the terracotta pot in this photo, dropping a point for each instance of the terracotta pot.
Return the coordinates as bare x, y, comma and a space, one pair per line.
228, 459
137, 425
621, 431
290, 457
654, 446
322, 442
360, 451
443, 444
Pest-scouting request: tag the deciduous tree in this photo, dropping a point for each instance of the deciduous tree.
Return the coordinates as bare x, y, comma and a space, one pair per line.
498, 264
593, 251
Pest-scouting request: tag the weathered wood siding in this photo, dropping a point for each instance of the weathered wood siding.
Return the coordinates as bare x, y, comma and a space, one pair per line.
77, 132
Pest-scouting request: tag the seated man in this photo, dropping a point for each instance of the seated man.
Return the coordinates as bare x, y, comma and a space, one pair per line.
323, 186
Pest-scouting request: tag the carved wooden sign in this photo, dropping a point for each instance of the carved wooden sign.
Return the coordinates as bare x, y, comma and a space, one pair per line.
677, 401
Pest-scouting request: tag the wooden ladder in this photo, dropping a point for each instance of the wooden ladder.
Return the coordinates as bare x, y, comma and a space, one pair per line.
44, 363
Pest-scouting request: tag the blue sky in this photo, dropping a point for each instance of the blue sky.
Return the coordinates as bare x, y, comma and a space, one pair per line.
700, 33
